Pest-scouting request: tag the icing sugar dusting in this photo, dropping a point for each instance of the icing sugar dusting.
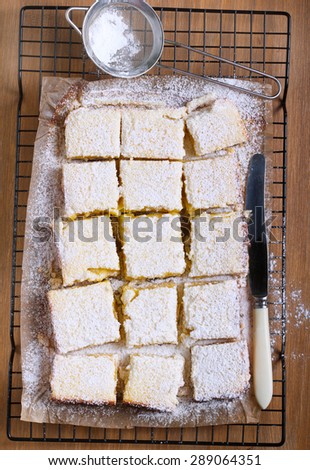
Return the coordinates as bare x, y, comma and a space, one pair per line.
299, 314
40, 256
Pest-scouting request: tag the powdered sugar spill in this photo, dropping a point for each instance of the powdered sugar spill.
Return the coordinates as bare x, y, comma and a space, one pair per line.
299, 314
295, 356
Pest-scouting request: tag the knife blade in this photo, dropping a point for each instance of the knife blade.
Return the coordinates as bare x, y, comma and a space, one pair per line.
258, 279
258, 248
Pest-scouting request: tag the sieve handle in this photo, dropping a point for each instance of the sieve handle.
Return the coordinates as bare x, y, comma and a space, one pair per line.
230, 62
69, 19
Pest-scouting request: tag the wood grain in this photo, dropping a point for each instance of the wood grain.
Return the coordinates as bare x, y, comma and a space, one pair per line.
297, 194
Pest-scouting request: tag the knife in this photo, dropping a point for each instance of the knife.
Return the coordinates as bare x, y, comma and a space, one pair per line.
258, 277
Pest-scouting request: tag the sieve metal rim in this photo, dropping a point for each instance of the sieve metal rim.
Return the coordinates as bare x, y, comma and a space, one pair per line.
140, 5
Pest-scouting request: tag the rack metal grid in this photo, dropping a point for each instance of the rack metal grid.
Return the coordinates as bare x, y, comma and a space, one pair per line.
48, 46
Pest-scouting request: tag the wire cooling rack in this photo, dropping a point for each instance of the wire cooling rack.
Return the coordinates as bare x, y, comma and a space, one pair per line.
48, 46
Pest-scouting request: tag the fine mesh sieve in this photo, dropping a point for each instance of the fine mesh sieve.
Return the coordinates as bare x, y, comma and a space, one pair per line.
130, 41
141, 26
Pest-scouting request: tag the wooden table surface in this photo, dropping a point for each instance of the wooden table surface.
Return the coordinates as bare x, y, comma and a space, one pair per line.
297, 350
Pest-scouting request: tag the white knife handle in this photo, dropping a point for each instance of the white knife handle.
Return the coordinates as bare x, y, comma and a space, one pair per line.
262, 365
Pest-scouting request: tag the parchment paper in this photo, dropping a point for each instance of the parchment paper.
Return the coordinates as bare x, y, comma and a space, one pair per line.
40, 265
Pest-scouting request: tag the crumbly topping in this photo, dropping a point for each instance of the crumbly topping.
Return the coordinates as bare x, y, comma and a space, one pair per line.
220, 370
212, 311
150, 315
156, 239
154, 381
151, 185
93, 133
84, 379
216, 127
213, 182
90, 187
218, 244
87, 250
152, 134
83, 316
